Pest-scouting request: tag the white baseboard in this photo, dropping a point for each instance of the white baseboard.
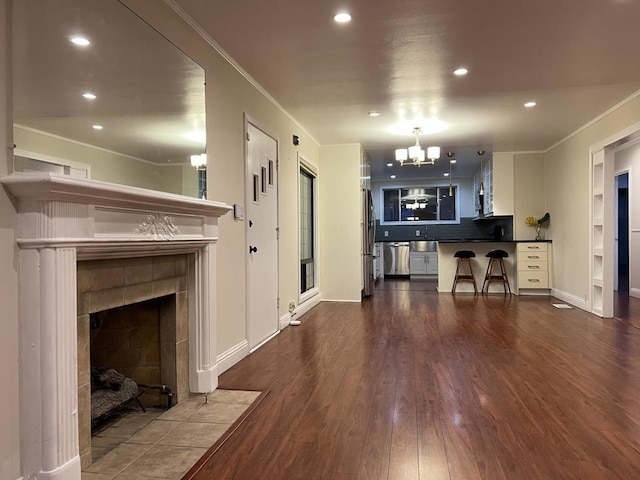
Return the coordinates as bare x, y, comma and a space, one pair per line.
342, 300
284, 321
634, 292
530, 292
228, 359
571, 299
308, 305
300, 310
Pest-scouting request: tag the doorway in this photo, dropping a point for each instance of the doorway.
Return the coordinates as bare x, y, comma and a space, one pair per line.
621, 252
607, 161
262, 234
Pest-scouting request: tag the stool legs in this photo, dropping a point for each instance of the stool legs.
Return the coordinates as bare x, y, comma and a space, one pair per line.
489, 277
462, 277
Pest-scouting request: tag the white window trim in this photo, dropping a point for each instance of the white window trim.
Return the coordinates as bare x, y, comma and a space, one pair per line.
315, 290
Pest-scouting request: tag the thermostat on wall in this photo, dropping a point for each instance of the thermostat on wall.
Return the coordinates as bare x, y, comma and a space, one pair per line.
238, 211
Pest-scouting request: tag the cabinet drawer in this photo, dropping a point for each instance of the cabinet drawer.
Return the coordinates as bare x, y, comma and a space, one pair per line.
532, 256
532, 247
533, 279
528, 266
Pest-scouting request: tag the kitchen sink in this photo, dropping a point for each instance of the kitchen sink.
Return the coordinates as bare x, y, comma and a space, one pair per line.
423, 246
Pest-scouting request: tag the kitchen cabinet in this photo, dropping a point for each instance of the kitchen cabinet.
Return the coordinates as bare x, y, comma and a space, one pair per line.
423, 263
497, 176
533, 266
487, 181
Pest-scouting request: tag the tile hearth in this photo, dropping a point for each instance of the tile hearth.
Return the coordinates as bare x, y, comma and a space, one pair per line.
165, 444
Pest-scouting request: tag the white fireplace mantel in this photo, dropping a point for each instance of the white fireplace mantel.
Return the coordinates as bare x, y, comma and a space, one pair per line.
62, 219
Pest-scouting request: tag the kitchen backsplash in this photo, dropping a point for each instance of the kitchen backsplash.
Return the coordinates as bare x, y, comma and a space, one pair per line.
466, 229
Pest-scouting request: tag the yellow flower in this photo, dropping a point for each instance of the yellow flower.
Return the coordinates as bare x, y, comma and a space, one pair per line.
531, 221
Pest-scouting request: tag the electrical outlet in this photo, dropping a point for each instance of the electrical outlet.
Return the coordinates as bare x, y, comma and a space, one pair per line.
292, 306
386, 233
417, 233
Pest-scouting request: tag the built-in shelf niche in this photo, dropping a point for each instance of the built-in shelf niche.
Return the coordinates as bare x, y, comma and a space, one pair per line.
601, 234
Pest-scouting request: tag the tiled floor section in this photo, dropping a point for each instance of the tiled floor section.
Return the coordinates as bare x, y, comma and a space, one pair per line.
164, 444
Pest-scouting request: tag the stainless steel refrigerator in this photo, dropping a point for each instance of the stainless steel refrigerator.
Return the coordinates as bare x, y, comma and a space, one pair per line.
368, 241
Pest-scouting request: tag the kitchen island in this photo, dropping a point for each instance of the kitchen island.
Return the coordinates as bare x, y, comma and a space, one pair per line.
536, 260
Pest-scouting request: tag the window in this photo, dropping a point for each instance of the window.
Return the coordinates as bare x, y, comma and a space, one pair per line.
202, 183
428, 204
307, 230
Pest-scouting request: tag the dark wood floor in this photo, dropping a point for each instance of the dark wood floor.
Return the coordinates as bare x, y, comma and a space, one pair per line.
415, 385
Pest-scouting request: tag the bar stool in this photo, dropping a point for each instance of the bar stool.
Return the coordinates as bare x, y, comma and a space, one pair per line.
496, 256
464, 257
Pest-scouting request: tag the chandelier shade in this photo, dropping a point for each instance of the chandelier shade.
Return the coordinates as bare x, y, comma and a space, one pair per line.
433, 153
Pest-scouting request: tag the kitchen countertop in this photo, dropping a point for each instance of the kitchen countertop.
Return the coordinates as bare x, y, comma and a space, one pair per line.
487, 240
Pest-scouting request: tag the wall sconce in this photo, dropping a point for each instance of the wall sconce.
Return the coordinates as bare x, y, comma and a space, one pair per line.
199, 161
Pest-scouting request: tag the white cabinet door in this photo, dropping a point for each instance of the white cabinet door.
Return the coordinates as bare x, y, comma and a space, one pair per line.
432, 263
417, 263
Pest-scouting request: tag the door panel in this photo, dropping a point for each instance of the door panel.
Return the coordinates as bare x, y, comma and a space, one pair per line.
262, 248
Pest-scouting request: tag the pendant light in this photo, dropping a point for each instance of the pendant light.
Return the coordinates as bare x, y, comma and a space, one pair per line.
451, 162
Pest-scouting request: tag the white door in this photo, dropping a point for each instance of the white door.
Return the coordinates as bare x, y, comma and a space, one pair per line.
262, 236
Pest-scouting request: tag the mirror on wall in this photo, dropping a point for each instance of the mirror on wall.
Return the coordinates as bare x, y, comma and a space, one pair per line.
98, 93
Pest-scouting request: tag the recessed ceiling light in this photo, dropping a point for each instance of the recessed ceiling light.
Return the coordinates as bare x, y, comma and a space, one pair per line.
461, 71
342, 17
98, 127
80, 41
393, 176
374, 114
89, 96
453, 161
389, 164
446, 174
530, 104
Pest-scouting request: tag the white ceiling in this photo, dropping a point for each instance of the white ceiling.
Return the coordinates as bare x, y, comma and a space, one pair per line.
576, 59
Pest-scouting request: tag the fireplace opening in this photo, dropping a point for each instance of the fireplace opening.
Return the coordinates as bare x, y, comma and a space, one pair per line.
133, 357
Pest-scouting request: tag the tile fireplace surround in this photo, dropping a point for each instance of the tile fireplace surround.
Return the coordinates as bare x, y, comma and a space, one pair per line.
63, 220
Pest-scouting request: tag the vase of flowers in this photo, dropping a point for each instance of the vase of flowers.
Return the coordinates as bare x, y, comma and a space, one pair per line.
537, 223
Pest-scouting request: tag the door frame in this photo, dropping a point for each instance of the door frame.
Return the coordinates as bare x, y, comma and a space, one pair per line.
248, 198
609, 145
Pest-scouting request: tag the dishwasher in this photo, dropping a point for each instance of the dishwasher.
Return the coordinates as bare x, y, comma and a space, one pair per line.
396, 259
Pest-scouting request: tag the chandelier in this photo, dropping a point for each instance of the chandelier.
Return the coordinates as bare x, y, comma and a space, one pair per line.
415, 155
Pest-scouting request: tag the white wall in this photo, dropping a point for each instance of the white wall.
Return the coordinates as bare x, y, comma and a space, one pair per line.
10, 412
628, 159
340, 226
228, 96
529, 193
567, 172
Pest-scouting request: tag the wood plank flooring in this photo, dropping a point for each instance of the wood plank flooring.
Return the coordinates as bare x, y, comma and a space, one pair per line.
414, 385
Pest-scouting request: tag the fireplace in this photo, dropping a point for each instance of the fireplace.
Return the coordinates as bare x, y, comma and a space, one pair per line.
133, 316
68, 227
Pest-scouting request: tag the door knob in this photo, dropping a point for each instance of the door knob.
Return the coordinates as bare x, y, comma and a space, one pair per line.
250, 223
253, 249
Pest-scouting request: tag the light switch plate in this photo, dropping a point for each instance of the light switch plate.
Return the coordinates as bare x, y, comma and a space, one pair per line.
238, 211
